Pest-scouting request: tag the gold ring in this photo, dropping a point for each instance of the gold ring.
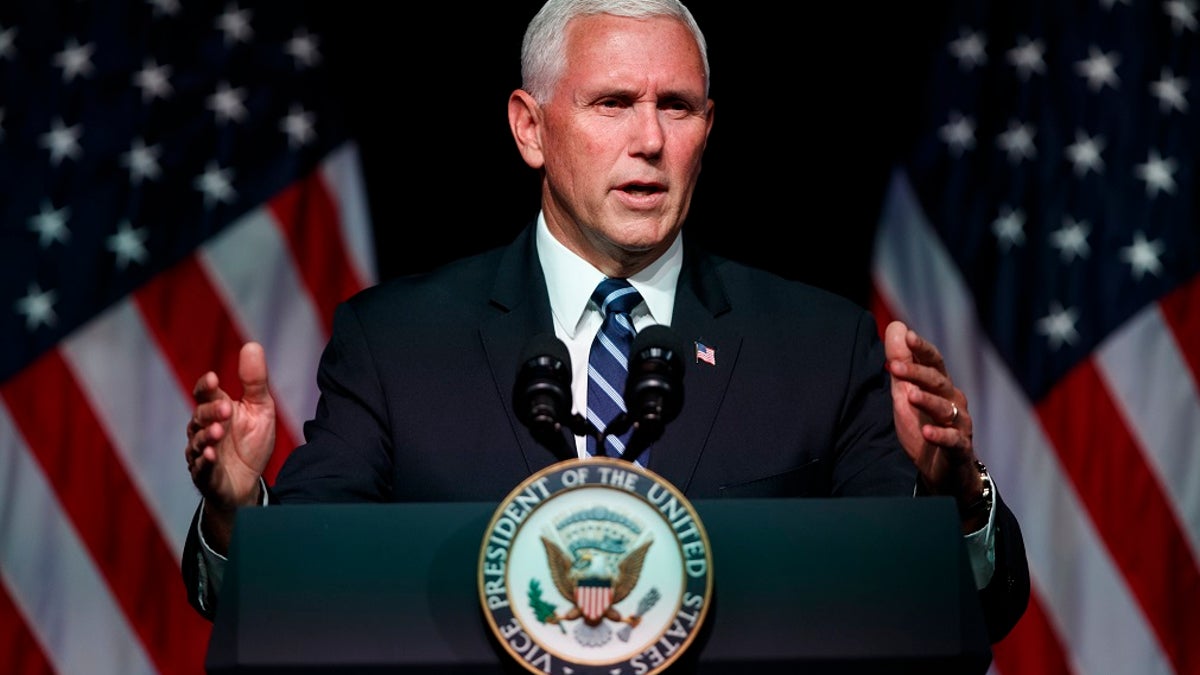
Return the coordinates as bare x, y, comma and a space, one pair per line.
953, 415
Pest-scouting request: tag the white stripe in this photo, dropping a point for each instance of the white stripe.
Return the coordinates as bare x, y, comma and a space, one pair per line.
343, 175
252, 270
50, 575
136, 398
1083, 593
613, 351
1148, 377
598, 379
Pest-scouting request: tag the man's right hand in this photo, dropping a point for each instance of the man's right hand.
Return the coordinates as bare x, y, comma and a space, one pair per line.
230, 443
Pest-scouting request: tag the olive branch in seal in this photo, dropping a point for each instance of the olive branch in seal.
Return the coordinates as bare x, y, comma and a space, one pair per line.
542, 609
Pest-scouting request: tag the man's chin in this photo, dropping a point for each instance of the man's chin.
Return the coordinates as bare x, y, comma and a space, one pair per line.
640, 235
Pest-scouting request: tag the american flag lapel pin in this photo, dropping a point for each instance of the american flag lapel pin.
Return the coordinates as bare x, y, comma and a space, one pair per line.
706, 353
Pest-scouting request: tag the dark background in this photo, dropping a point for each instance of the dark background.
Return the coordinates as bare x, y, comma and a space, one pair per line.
814, 104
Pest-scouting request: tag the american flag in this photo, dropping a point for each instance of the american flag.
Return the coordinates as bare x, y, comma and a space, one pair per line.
1044, 233
706, 354
176, 180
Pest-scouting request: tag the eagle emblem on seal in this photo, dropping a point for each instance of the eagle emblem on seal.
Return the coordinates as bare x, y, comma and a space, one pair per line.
598, 568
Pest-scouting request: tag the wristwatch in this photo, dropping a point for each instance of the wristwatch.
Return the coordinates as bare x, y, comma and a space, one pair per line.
983, 504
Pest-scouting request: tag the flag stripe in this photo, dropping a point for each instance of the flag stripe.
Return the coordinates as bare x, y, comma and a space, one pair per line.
201, 339
1080, 590
114, 353
52, 578
1142, 367
1110, 475
1181, 309
1032, 648
308, 217
24, 655
104, 506
343, 176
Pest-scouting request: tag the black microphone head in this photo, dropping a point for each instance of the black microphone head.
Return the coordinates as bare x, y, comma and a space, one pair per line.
542, 392
654, 388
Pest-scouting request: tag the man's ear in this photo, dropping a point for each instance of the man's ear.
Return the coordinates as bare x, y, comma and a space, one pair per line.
525, 119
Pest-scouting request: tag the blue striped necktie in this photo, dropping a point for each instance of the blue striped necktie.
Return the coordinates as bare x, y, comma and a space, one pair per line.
608, 363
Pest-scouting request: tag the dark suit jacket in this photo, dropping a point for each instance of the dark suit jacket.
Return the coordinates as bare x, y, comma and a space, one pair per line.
417, 379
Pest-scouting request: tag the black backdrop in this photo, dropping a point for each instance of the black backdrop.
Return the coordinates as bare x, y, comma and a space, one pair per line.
814, 103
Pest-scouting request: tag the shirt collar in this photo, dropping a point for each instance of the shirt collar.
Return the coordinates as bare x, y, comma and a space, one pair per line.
570, 281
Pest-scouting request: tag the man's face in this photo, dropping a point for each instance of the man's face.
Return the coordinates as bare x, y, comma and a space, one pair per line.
622, 138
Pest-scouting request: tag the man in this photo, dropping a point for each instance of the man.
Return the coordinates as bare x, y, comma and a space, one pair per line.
417, 378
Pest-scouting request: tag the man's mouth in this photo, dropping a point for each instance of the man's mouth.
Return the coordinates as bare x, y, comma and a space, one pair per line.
642, 188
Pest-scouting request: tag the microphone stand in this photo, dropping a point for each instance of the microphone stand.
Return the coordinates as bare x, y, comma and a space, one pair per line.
645, 431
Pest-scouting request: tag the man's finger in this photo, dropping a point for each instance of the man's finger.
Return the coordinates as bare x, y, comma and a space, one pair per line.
252, 371
895, 342
925, 351
206, 388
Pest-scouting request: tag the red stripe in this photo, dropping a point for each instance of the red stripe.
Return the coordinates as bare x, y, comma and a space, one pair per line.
22, 653
1129, 509
103, 504
308, 218
1181, 310
881, 310
1033, 647
196, 334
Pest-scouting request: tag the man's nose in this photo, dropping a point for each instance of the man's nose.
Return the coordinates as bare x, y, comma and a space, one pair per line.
648, 133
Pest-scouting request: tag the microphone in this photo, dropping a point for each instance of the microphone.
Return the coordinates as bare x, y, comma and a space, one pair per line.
542, 395
654, 387
542, 392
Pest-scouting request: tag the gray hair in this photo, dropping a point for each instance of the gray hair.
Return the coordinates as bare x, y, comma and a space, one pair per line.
544, 49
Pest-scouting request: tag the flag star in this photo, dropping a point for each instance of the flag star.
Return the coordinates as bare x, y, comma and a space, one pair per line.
153, 80
1059, 326
1084, 154
227, 103
128, 244
303, 48
1017, 142
958, 133
51, 225
38, 307
75, 59
298, 125
1169, 90
1026, 57
970, 49
1009, 228
1071, 240
167, 7
235, 24
1099, 69
215, 184
142, 162
1182, 14
62, 141
1142, 256
1158, 174
7, 37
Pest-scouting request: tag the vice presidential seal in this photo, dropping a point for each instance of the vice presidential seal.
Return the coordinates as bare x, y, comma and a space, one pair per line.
595, 566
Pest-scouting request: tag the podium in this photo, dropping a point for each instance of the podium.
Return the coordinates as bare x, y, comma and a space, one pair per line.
852, 585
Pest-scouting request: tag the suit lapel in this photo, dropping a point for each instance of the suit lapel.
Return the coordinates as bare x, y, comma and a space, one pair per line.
519, 310
700, 301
